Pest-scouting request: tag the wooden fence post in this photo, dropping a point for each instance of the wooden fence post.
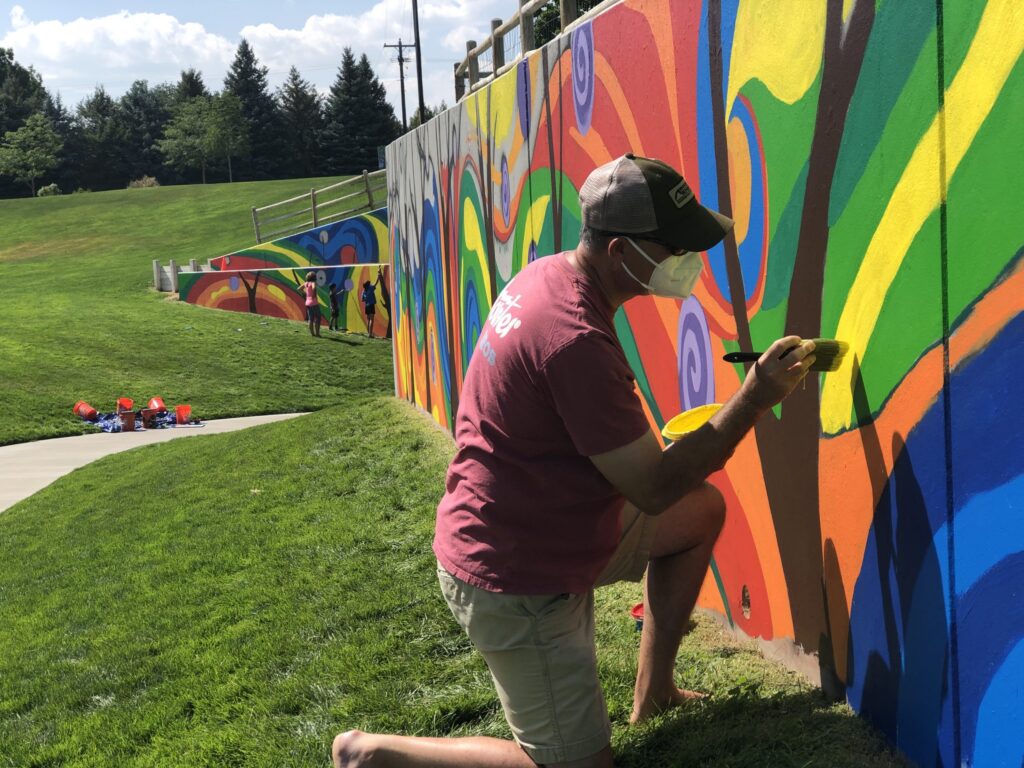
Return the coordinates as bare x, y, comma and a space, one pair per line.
174, 275
567, 12
256, 225
460, 84
312, 205
193, 265
527, 39
156, 274
369, 192
497, 47
474, 65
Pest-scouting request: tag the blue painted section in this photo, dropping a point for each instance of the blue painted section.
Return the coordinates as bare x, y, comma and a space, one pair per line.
430, 248
708, 171
899, 660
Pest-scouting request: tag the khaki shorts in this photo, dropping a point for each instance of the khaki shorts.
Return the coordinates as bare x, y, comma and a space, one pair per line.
540, 650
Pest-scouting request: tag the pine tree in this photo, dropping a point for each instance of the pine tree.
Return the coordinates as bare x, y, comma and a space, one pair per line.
338, 144
302, 115
383, 127
144, 113
189, 86
247, 80
103, 138
359, 118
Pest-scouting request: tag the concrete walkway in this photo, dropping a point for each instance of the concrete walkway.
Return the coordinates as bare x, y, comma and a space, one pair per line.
29, 467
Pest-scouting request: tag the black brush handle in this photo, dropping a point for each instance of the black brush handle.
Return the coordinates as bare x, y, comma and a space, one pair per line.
742, 357
749, 357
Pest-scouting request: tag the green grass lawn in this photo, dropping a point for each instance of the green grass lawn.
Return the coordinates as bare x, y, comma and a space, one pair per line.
237, 599
79, 319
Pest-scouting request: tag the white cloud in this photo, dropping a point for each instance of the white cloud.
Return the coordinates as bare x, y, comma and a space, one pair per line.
75, 56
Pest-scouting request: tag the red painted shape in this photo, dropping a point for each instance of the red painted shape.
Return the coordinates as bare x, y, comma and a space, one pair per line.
739, 566
657, 353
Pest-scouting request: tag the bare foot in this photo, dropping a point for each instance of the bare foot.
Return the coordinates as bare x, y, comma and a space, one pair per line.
350, 750
678, 697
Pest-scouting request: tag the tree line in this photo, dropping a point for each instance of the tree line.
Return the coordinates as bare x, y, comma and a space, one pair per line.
183, 133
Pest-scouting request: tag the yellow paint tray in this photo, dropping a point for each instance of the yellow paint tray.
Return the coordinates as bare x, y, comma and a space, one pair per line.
687, 421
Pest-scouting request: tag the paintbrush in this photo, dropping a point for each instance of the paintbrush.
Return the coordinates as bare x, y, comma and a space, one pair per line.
828, 355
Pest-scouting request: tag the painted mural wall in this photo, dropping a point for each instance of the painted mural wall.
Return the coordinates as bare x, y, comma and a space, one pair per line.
267, 279
870, 154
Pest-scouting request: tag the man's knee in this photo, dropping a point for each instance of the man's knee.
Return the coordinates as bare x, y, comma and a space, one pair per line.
712, 505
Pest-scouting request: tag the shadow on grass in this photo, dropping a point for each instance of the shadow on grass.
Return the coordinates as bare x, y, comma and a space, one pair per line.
342, 340
743, 727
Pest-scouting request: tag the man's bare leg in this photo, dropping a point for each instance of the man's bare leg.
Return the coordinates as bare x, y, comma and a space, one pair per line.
355, 749
679, 561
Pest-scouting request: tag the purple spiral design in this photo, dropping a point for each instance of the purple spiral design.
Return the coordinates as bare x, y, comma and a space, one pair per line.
506, 189
583, 75
523, 97
696, 368
234, 283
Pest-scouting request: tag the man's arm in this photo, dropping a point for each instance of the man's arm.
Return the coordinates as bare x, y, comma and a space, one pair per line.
653, 479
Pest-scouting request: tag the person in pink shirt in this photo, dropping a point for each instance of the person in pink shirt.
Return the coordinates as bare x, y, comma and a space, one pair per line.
559, 485
312, 304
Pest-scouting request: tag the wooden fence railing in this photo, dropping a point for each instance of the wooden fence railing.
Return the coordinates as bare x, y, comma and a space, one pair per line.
361, 193
493, 51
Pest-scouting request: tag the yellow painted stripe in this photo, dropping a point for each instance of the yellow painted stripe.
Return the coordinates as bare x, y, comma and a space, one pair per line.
534, 225
994, 51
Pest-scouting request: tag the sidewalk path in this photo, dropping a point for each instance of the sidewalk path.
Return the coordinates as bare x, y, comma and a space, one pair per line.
29, 467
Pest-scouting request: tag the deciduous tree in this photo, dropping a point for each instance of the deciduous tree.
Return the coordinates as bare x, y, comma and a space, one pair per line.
31, 151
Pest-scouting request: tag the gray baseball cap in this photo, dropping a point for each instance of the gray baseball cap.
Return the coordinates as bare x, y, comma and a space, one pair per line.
648, 198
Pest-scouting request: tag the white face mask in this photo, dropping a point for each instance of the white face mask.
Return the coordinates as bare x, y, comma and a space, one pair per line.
674, 277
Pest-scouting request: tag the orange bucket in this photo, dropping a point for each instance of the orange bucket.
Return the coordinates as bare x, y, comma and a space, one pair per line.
84, 410
124, 404
157, 404
182, 413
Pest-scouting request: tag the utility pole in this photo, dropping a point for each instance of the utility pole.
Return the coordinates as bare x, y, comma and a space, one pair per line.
419, 56
401, 77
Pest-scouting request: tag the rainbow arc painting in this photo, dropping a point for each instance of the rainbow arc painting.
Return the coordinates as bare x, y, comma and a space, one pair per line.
267, 279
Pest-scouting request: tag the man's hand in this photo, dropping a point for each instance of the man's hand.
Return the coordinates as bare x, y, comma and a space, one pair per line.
778, 371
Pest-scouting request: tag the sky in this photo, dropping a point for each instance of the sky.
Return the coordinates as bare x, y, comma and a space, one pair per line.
77, 46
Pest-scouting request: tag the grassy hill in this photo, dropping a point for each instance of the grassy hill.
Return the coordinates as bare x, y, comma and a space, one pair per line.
79, 318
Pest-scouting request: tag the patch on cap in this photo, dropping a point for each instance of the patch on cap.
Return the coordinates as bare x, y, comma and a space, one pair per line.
681, 193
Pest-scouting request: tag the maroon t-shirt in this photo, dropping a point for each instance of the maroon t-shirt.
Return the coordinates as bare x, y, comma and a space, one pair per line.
525, 511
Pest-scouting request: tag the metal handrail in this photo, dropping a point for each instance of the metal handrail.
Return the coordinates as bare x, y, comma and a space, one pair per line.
370, 186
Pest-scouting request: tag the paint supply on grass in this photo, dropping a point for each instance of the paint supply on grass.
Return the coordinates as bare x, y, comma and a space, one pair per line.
828, 355
687, 421
182, 414
637, 612
85, 411
124, 404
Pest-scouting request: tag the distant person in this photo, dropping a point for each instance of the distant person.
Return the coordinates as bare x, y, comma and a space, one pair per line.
385, 297
333, 325
312, 304
370, 303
